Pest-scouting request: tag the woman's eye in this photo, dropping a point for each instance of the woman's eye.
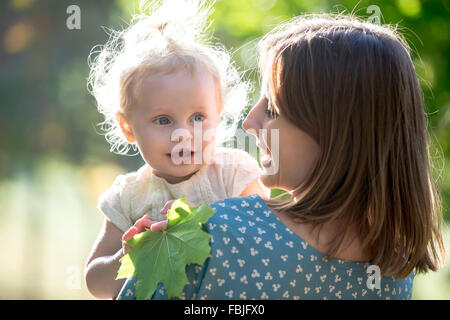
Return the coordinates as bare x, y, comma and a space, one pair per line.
270, 112
198, 118
162, 120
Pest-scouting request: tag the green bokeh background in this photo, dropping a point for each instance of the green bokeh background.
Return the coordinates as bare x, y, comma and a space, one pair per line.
54, 163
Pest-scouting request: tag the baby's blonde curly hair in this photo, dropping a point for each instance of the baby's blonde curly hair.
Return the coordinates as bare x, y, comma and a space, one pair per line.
173, 36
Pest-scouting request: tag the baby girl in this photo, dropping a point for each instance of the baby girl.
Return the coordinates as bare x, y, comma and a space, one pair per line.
164, 88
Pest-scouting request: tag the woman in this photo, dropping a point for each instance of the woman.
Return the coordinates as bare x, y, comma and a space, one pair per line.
343, 97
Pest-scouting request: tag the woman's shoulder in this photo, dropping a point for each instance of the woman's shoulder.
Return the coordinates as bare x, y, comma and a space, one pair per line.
243, 201
242, 210
247, 216
249, 241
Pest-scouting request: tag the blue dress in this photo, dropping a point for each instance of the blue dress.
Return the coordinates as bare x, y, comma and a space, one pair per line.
255, 256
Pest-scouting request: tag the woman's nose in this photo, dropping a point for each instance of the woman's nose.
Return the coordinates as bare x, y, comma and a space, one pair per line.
252, 122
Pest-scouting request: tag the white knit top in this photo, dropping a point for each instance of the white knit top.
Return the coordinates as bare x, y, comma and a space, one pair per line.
141, 192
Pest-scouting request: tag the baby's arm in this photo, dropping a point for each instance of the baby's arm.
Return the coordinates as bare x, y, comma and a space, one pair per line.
104, 262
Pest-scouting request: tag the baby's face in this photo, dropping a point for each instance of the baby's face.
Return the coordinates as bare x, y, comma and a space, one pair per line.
174, 123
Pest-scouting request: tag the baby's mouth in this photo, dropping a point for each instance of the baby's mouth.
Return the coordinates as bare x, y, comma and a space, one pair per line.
183, 155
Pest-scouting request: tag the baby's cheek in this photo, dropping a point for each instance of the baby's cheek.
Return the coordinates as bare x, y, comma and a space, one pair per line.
209, 128
208, 151
208, 133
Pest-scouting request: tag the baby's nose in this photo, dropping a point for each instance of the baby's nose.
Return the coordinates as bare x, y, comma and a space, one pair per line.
181, 134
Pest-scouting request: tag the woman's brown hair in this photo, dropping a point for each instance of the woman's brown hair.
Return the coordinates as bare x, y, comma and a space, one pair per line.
351, 85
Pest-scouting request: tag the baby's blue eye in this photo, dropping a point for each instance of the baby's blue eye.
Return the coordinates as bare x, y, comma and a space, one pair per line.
198, 118
162, 120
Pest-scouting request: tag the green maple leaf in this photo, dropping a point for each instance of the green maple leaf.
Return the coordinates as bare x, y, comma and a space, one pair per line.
162, 256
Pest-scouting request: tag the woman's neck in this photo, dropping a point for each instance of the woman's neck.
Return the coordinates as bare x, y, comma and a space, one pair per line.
320, 238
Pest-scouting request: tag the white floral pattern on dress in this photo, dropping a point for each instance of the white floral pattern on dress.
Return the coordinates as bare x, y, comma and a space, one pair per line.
257, 257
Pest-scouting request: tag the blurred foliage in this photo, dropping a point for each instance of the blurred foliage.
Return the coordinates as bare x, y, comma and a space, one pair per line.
46, 108
52, 153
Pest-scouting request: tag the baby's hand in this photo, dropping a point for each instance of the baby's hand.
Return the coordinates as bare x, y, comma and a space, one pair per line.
169, 203
140, 226
145, 223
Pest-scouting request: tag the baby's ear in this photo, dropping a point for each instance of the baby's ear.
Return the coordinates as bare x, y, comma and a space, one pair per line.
125, 127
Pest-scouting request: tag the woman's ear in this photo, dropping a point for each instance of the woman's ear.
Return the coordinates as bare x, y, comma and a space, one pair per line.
125, 127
